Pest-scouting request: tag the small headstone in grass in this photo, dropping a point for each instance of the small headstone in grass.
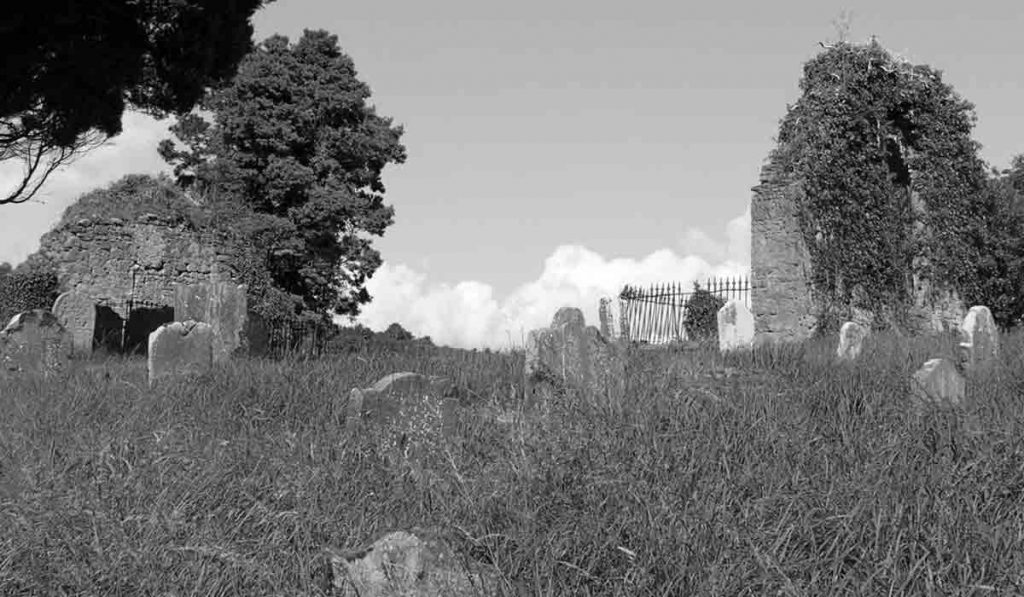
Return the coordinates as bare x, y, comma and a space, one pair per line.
571, 354
35, 341
410, 413
937, 384
419, 563
180, 348
980, 346
851, 338
735, 327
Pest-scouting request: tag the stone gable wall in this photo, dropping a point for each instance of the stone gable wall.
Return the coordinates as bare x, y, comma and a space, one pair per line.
114, 260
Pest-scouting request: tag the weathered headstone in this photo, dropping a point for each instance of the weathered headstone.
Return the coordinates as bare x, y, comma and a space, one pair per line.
980, 345
420, 563
572, 354
608, 313
735, 326
180, 348
851, 339
76, 311
222, 305
410, 414
937, 384
35, 341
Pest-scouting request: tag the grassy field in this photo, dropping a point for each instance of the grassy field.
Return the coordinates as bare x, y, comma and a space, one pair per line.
786, 476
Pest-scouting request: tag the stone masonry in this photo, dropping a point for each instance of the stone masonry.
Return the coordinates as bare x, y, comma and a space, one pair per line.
113, 261
780, 271
779, 263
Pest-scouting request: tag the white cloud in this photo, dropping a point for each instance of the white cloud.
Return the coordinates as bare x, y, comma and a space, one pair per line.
467, 314
735, 248
131, 152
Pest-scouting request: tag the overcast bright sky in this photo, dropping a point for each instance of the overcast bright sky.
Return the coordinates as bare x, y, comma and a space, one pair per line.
559, 149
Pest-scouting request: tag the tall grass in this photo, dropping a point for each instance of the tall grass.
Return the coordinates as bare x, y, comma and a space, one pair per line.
774, 472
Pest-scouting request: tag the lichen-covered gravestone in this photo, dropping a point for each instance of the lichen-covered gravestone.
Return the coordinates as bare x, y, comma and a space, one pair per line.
980, 346
410, 415
76, 311
222, 305
35, 341
180, 348
851, 339
937, 384
735, 327
419, 563
573, 354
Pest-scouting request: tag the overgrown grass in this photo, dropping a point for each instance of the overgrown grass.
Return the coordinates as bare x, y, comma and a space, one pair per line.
786, 476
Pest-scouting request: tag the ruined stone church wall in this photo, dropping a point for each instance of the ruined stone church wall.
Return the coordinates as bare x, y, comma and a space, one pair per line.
114, 260
780, 276
780, 283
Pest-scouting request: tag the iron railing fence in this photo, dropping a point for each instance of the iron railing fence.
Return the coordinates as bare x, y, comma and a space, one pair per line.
657, 314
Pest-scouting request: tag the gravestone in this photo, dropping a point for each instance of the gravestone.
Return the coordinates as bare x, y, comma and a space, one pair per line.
608, 313
420, 563
735, 327
35, 341
571, 354
180, 348
937, 384
851, 338
76, 311
409, 414
222, 305
980, 345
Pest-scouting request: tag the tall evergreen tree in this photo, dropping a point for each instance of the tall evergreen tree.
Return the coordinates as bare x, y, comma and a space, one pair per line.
295, 142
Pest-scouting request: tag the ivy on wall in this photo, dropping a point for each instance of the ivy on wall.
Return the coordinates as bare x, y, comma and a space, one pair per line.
25, 289
888, 180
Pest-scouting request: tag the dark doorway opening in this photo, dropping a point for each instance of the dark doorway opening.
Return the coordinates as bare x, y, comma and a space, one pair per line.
141, 323
113, 335
106, 335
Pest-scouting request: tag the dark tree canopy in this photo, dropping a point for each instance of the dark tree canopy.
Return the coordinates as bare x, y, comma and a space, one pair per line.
70, 69
890, 180
295, 141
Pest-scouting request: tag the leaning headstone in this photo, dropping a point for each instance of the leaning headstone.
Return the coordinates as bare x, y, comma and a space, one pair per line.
570, 354
221, 304
76, 311
937, 384
735, 327
980, 345
35, 341
420, 563
851, 339
411, 415
180, 348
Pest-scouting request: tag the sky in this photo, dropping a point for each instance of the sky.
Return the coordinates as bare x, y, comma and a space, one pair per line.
559, 149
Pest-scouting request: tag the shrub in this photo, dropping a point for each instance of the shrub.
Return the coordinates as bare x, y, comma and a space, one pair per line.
25, 289
700, 315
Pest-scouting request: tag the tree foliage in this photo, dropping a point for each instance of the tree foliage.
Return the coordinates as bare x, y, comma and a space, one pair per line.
890, 182
72, 68
24, 289
294, 139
